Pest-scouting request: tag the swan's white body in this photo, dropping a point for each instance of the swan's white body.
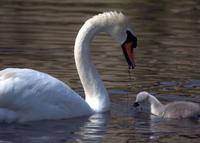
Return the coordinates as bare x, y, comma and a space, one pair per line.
27, 95
178, 109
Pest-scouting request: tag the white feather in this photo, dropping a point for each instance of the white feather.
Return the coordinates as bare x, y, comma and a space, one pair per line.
27, 95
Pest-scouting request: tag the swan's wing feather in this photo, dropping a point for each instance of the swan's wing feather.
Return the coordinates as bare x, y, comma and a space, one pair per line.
182, 109
39, 94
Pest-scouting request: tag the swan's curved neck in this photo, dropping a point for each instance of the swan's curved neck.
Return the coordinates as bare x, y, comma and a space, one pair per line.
95, 92
157, 108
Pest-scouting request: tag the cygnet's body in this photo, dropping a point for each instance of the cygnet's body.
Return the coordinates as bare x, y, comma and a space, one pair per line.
176, 110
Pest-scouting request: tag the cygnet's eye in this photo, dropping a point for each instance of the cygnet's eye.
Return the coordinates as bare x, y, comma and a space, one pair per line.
136, 104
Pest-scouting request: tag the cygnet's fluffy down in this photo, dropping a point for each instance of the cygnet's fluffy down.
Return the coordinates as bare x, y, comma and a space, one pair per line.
176, 110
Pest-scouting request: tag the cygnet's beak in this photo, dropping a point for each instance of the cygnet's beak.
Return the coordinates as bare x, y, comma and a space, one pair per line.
136, 104
128, 49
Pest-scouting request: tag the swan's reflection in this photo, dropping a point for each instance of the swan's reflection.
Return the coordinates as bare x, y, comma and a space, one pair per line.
90, 129
94, 129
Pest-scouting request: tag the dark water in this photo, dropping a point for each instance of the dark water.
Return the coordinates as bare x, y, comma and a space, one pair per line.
39, 34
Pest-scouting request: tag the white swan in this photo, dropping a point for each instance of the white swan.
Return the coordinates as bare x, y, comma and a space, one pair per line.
27, 95
176, 110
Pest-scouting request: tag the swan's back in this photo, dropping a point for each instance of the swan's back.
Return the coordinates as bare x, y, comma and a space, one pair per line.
181, 109
27, 94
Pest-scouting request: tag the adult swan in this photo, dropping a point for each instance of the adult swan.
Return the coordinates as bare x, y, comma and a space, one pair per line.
27, 95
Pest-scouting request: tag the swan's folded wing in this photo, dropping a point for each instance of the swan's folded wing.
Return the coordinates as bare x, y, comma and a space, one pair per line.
39, 95
181, 109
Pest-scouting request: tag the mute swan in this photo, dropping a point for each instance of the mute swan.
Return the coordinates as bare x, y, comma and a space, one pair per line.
176, 110
27, 95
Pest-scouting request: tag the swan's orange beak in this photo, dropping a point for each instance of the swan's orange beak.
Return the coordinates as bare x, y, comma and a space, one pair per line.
128, 49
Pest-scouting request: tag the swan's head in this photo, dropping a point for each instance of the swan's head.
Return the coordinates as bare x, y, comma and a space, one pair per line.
117, 25
141, 97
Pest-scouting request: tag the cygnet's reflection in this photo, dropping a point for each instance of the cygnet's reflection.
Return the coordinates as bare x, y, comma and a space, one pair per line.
156, 128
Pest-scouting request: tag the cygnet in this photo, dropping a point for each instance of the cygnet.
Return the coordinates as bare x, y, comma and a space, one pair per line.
176, 110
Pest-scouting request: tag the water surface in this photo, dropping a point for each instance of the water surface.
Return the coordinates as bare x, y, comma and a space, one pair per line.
40, 35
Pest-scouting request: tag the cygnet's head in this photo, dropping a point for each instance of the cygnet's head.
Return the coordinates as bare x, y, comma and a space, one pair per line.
117, 25
141, 97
